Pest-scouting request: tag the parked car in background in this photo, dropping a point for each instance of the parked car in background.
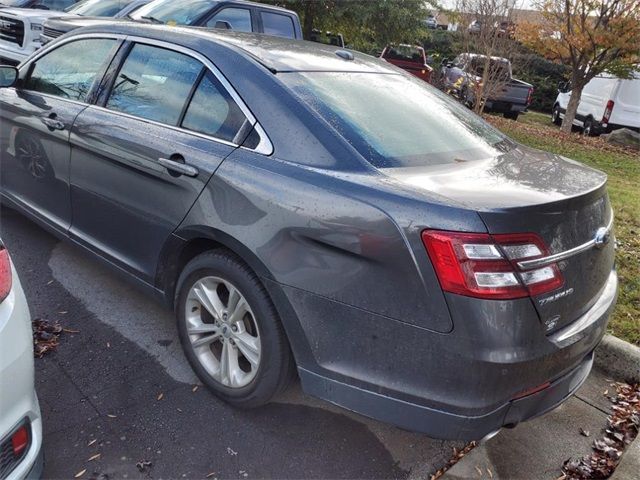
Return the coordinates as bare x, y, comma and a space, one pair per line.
21, 454
431, 22
508, 95
237, 15
411, 58
607, 103
302, 207
21, 26
59, 25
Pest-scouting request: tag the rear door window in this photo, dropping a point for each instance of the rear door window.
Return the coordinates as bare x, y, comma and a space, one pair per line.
213, 112
70, 70
154, 83
277, 25
238, 18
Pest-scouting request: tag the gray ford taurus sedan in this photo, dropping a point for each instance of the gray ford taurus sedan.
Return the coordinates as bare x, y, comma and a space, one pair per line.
317, 211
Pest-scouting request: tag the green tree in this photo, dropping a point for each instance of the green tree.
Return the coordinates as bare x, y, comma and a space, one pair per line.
366, 25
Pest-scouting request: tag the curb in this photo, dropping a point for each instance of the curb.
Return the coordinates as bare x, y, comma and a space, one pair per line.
619, 359
629, 465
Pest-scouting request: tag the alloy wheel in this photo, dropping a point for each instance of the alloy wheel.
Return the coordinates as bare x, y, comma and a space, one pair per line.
31, 155
223, 332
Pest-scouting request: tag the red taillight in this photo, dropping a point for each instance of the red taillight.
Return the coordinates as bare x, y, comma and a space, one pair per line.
20, 441
485, 266
607, 111
5, 273
530, 97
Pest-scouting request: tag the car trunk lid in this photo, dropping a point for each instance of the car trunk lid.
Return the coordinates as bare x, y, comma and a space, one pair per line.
528, 191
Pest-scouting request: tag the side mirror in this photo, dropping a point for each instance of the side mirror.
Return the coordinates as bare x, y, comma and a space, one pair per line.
8, 76
223, 25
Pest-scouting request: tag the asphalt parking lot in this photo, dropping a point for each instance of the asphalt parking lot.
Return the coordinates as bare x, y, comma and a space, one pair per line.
120, 388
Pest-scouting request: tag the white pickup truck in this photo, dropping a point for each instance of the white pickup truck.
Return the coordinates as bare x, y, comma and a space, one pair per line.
20, 28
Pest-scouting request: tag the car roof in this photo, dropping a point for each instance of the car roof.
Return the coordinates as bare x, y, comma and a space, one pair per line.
275, 53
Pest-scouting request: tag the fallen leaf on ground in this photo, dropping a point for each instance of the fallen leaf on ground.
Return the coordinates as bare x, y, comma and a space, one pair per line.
161, 396
45, 336
92, 442
143, 465
111, 415
583, 432
209, 475
94, 457
623, 427
195, 389
80, 473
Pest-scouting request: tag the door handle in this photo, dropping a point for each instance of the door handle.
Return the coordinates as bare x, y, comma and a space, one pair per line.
52, 123
178, 167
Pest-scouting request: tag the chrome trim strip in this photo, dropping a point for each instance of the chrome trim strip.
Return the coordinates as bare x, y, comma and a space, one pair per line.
557, 257
595, 313
265, 147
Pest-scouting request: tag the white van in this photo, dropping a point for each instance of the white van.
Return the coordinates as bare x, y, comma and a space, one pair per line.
607, 103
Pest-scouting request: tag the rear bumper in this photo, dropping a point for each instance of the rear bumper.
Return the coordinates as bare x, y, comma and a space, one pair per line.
504, 107
461, 385
443, 424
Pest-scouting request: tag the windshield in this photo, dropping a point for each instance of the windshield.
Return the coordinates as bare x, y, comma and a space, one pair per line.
396, 120
98, 8
185, 12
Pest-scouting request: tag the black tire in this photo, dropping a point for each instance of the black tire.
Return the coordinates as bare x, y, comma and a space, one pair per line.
511, 115
555, 115
276, 366
588, 128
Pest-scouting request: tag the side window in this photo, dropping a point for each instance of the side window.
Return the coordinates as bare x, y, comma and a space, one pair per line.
238, 18
277, 25
70, 70
154, 83
212, 111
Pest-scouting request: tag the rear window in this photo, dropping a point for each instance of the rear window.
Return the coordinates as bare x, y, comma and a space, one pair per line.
406, 53
277, 25
396, 120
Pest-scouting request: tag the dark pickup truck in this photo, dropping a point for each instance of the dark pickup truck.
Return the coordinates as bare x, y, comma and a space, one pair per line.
410, 58
463, 75
237, 15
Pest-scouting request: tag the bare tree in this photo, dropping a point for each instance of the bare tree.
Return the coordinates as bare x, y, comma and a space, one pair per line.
487, 29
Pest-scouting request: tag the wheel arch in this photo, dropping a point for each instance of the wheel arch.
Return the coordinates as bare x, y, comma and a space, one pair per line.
185, 244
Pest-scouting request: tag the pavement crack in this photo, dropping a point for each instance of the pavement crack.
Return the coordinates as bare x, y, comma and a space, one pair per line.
592, 404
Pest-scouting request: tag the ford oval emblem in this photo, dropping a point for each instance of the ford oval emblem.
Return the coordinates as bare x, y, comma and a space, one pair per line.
603, 237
